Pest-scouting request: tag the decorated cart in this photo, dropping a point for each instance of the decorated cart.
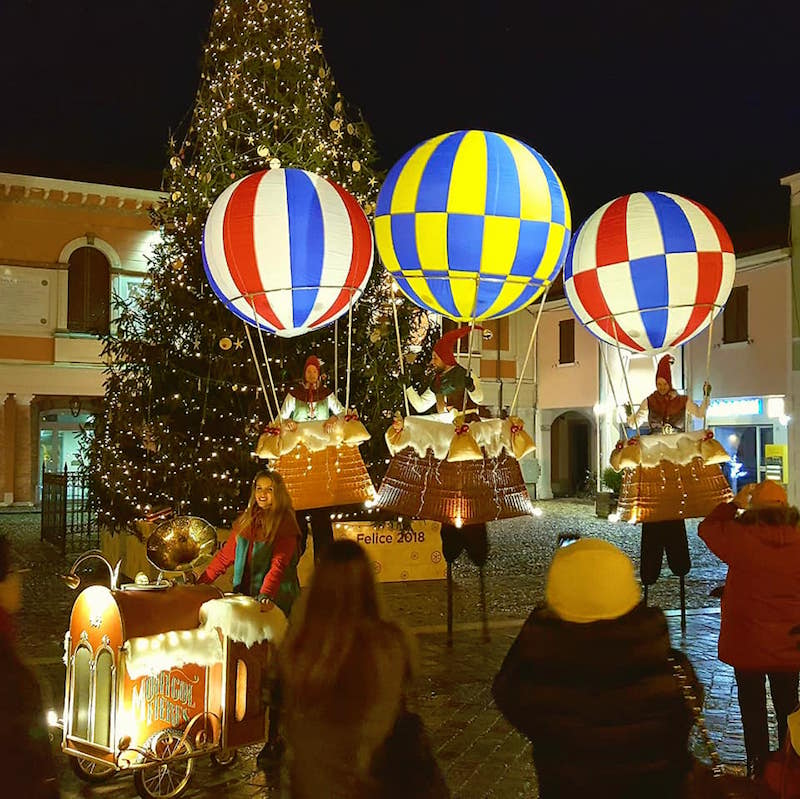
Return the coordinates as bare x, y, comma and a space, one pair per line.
159, 674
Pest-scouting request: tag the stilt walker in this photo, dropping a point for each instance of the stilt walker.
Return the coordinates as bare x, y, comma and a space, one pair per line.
646, 273
289, 285
472, 226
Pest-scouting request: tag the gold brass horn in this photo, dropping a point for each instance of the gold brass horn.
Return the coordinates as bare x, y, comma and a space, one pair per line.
177, 545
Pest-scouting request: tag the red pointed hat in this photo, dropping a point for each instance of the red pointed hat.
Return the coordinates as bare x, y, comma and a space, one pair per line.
445, 346
312, 360
664, 370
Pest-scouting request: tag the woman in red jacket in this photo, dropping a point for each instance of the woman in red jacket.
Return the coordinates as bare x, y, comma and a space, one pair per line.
263, 548
760, 604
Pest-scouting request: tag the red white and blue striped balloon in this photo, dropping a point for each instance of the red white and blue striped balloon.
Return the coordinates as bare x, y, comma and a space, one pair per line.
287, 250
649, 270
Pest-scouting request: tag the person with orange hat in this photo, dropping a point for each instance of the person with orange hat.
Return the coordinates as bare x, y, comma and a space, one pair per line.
665, 409
450, 380
757, 535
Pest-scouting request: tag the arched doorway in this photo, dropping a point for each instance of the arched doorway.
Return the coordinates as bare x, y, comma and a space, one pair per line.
570, 453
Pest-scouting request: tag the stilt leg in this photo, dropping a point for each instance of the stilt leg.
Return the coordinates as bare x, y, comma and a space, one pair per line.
449, 603
683, 604
483, 605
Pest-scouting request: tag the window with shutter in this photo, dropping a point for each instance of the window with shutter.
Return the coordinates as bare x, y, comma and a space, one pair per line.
89, 292
734, 317
566, 341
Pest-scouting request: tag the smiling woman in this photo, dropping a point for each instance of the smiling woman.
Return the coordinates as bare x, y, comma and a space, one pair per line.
263, 546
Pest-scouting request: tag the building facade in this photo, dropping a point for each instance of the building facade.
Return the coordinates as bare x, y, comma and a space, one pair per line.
68, 250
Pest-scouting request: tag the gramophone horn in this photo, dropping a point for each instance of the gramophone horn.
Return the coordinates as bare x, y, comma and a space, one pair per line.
178, 544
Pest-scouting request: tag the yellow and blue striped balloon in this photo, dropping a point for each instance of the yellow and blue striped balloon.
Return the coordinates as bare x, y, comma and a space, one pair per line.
472, 225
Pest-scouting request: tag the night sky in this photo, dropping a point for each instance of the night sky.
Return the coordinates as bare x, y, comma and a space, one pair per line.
699, 98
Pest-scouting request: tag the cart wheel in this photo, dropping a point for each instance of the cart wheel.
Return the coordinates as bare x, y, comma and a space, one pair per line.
224, 758
166, 780
90, 771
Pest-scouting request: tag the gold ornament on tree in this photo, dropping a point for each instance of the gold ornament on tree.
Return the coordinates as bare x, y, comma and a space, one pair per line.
225, 344
263, 150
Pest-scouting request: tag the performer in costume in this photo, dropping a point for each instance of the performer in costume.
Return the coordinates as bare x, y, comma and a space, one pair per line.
450, 381
665, 412
446, 393
309, 400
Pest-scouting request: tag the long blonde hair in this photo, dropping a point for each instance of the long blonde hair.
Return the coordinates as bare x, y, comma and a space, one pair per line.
257, 525
341, 615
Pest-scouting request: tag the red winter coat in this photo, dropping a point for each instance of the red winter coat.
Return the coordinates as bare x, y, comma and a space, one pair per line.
761, 601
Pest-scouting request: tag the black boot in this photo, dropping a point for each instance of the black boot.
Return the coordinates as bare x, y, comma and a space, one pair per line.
755, 768
271, 754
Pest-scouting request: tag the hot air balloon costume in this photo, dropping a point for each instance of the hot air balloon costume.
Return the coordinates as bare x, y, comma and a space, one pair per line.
290, 252
645, 273
471, 226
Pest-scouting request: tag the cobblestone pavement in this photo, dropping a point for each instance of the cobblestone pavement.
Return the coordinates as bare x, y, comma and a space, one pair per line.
478, 751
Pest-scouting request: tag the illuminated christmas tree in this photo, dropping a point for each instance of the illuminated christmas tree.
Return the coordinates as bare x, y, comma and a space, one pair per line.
183, 407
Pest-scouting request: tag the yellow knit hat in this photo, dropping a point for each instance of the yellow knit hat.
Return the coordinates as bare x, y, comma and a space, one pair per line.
591, 580
768, 494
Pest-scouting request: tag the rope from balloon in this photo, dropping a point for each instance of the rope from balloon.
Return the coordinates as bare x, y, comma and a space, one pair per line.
399, 345
336, 356
528, 353
349, 350
266, 361
469, 338
708, 360
258, 371
625, 378
613, 391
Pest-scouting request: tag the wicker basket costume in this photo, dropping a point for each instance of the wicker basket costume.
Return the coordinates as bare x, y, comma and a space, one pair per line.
335, 475
473, 491
671, 491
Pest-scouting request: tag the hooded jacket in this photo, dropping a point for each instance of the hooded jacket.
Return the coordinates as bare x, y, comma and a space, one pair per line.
761, 601
600, 704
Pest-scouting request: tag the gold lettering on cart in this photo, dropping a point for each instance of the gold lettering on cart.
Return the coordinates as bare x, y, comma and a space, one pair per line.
163, 697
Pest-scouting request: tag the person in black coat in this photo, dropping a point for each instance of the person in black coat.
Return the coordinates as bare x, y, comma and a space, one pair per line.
590, 681
26, 760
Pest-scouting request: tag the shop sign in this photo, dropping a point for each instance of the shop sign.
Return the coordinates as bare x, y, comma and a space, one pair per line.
738, 406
